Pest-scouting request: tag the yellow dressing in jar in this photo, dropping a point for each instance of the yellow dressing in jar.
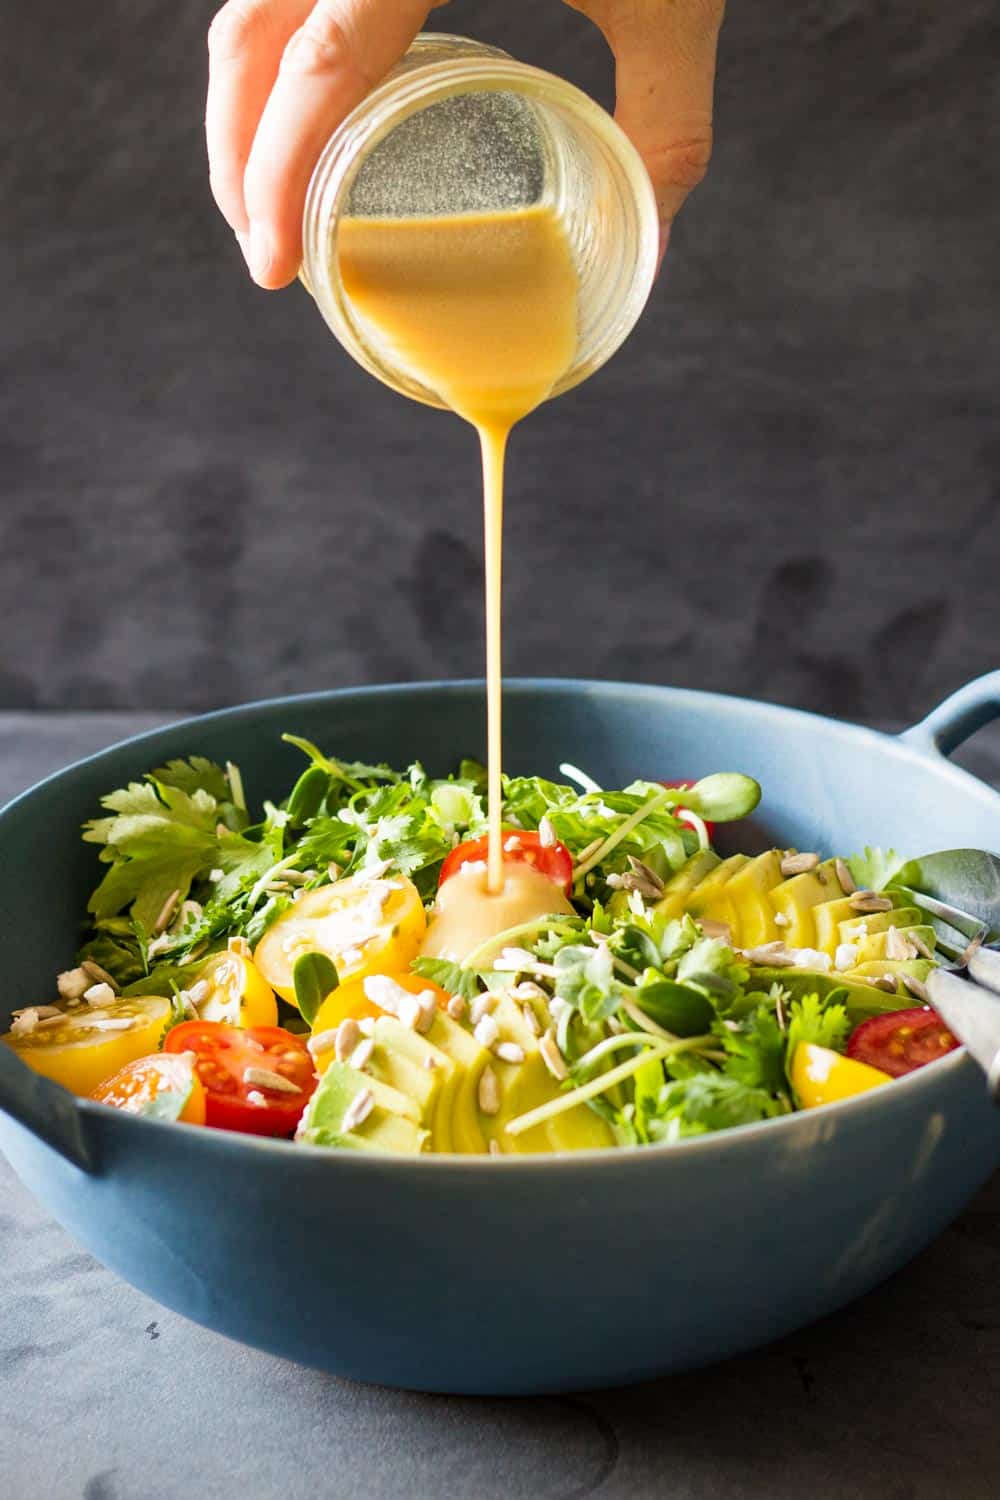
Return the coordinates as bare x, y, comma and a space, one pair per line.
482, 308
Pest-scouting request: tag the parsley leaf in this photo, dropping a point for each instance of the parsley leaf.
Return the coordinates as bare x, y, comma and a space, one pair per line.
756, 1051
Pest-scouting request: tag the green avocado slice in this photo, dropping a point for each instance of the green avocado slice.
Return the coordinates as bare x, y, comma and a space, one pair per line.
746, 894
680, 885
389, 1125
418, 1068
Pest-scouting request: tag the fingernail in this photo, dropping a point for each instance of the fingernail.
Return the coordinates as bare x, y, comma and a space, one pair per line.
259, 252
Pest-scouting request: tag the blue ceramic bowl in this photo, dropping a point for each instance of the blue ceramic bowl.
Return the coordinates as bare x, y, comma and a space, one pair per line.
514, 1275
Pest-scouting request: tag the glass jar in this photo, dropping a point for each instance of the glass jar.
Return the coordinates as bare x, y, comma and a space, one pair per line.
460, 127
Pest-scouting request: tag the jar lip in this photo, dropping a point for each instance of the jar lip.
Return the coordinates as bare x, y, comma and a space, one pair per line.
396, 98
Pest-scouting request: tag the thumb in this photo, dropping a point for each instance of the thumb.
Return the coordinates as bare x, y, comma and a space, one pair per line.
664, 77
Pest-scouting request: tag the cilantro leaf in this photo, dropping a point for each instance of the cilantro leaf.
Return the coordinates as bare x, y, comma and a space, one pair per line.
707, 1101
195, 774
756, 1051
452, 978
815, 1020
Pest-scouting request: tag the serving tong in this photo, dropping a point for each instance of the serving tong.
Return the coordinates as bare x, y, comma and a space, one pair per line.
965, 990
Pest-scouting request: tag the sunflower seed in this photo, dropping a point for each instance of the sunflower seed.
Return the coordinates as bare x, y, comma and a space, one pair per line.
922, 948
897, 946
531, 1020
346, 1039
482, 1006
552, 1057
645, 873
362, 1054
333, 870
917, 988
869, 902
430, 1062
887, 983
456, 1007
99, 975
323, 1041
495, 1148
166, 912
798, 864
774, 955
486, 1032
845, 877
265, 1078
546, 833
358, 1110
489, 1092
510, 1052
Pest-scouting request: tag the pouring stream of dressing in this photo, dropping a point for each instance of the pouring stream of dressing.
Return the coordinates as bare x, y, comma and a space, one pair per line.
482, 309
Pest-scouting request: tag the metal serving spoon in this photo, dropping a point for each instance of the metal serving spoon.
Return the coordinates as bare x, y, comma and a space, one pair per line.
970, 1008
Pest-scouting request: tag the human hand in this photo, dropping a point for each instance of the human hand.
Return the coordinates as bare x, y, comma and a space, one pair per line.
283, 74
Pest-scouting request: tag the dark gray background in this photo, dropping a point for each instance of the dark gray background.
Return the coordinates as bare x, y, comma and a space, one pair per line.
785, 484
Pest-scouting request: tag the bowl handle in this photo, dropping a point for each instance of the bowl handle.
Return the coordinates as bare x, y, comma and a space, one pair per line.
46, 1109
953, 721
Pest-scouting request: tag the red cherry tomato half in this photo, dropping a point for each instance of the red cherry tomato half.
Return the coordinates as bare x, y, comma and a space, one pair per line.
233, 1101
519, 847
682, 786
901, 1040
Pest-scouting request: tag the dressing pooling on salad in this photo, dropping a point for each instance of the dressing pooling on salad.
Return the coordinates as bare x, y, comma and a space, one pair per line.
326, 972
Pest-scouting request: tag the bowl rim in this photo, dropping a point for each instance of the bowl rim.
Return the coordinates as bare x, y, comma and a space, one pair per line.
929, 1079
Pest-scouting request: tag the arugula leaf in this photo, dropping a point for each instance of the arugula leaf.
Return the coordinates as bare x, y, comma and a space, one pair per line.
314, 977
819, 1022
452, 978
874, 869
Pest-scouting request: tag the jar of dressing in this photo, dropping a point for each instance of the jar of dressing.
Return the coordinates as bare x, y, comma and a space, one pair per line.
462, 129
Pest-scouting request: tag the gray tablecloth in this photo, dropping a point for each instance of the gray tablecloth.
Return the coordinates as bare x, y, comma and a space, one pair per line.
106, 1396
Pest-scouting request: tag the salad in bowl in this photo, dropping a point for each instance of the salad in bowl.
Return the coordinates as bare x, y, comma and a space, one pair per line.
337, 972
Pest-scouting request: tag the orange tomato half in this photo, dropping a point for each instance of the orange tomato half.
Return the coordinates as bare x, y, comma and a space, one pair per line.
157, 1086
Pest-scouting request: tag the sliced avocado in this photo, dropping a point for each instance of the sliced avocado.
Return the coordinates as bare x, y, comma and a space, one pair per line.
799, 982
388, 1126
829, 916
795, 899
416, 1067
709, 898
876, 945
746, 894
856, 927
683, 881
470, 1059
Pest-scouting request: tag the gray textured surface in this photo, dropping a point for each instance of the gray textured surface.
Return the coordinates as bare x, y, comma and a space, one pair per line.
105, 1396
203, 500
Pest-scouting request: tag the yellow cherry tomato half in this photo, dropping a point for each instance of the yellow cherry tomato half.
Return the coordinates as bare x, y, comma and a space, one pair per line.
822, 1076
165, 1086
91, 1042
237, 992
363, 925
351, 1002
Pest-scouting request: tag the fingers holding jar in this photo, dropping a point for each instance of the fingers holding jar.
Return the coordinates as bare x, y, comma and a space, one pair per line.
282, 76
